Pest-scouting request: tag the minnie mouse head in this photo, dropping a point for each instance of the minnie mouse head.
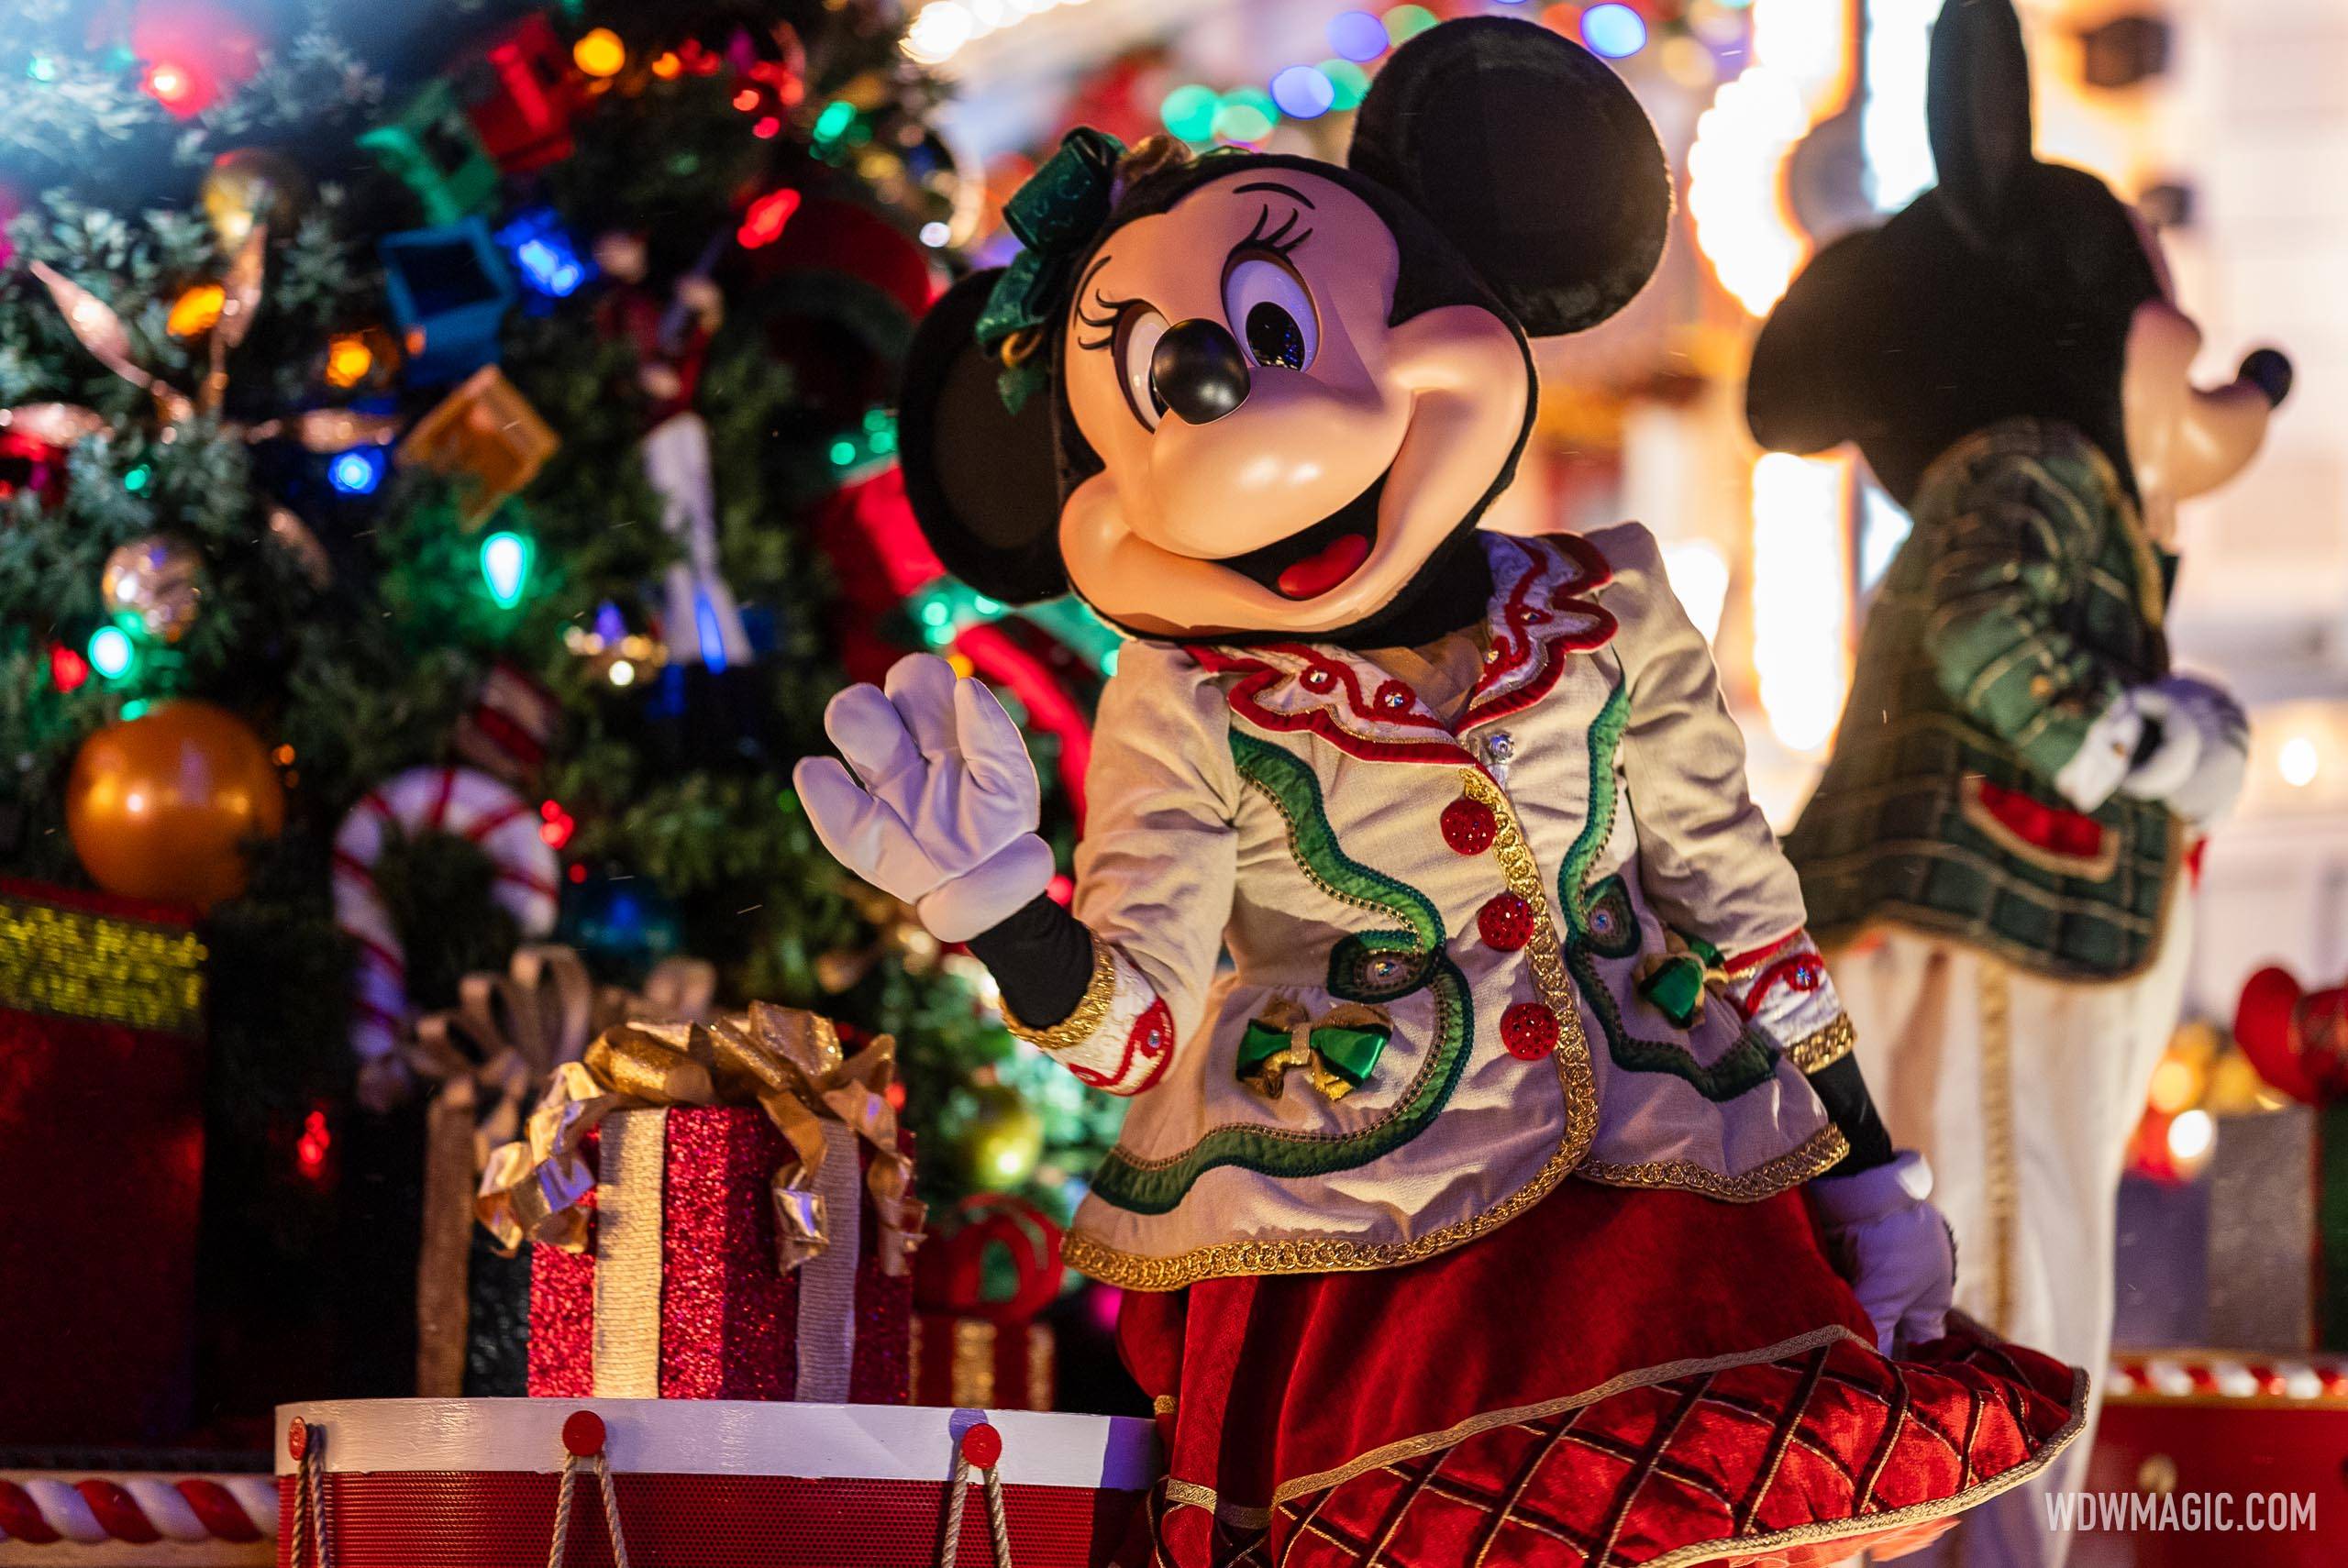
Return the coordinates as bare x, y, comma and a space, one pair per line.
1277, 393
2013, 289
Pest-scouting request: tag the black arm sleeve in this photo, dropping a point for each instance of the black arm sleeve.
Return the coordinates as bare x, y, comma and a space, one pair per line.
1853, 1110
1042, 957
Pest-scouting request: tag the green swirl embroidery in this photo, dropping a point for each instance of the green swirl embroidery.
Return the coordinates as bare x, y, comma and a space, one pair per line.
1600, 924
1371, 967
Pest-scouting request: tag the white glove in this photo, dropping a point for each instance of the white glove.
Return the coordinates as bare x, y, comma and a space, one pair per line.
2210, 790
2172, 762
946, 816
2100, 764
1888, 1240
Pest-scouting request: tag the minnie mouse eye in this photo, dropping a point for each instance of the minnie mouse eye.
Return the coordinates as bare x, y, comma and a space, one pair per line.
1268, 307
1138, 336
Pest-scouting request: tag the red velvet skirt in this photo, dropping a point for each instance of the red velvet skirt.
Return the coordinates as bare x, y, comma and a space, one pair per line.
1617, 1377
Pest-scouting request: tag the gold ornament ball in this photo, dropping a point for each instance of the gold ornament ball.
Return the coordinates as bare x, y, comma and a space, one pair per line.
159, 580
1002, 1139
163, 806
250, 185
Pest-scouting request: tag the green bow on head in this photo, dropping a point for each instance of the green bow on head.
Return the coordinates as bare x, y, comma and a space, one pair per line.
1055, 215
1340, 1048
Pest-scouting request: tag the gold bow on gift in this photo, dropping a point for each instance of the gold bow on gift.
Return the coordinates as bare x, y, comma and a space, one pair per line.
788, 1062
677, 991
489, 1054
98, 328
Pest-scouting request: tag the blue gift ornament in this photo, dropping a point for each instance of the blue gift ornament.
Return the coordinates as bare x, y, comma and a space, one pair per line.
544, 258
450, 291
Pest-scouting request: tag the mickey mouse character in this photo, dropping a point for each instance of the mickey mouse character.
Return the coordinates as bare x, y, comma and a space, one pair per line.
2002, 838
1481, 1208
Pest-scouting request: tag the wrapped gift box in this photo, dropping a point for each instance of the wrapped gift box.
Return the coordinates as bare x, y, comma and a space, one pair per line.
100, 1165
678, 1294
473, 1484
723, 1209
2279, 1232
983, 1281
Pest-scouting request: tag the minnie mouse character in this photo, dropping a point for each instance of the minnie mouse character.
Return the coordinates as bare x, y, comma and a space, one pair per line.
1486, 1207
2002, 837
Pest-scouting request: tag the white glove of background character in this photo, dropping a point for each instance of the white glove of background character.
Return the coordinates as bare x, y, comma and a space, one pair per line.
2222, 748
1888, 1240
945, 815
2105, 762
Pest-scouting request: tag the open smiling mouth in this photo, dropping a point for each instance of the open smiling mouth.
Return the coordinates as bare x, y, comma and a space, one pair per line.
1309, 564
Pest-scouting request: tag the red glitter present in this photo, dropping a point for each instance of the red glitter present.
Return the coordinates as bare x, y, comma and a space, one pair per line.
100, 1165
679, 1294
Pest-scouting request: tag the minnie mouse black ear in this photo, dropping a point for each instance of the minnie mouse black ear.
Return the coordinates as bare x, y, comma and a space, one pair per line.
1978, 104
981, 480
1532, 157
1808, 363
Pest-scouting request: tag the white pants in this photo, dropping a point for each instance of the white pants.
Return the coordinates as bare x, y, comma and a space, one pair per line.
2023, 1093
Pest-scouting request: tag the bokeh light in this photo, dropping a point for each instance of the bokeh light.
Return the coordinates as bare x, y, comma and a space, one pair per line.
1302, 93
1615, 31
1357, 35
1189, 111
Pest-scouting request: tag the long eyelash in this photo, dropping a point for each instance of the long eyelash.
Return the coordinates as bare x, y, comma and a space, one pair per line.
1107, 324
1278, 241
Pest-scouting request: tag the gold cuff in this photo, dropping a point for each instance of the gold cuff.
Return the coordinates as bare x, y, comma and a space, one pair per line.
1079, 1025
1817, 1051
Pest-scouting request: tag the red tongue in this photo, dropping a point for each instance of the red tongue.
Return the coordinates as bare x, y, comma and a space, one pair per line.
1317, 574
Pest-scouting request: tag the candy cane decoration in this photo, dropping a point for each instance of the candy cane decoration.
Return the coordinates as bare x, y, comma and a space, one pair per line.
37, 1509
458, 801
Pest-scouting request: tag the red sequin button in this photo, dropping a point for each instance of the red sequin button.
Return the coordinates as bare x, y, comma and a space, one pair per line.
1505, 922
983, 1446
297, 1436
583, 1433
1529, 1031
1470, 825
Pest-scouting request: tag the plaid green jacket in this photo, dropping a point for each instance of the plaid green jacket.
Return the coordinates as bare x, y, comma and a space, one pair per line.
2026, 600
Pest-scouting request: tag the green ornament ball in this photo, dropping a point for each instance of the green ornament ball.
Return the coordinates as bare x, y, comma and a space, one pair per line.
1001, 1139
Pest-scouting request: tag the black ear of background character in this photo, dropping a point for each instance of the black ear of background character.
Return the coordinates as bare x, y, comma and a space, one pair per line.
1978, 107
1802, 394
982, 479
1532, 157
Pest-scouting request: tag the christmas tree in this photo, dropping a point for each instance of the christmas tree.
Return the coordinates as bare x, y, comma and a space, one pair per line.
428, 416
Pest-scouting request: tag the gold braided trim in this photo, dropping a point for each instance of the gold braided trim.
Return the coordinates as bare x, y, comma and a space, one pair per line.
1814, 1156
1241, 1515
1816, 1052
1523, 875
1077, 1026
1310, 1255
1164, 1404
2001, 1178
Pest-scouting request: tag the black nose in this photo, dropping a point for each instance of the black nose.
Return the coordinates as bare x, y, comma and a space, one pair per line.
1197, 369
2270, 371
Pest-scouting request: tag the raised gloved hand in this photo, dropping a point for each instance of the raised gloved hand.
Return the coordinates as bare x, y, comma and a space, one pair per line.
945, 815
2222, 760
1888, 1240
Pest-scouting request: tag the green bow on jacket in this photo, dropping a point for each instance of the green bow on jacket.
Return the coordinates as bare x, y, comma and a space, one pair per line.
1340, 1048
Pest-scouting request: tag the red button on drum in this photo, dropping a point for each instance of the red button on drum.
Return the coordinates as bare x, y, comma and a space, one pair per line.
1529, 1031
1470, 825
1505, 922
583, 1433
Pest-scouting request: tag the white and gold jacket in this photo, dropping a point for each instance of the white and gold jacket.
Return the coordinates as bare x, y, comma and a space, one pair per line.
1456, 950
